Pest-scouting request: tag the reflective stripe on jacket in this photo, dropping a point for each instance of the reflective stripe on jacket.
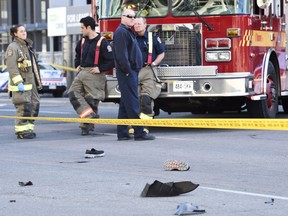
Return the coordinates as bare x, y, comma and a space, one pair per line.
17, 79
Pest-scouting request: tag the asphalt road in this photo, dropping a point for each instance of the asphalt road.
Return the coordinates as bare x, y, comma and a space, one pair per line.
240, 172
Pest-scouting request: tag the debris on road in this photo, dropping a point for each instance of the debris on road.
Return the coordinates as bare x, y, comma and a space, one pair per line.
188, 209
29, 183
159, 189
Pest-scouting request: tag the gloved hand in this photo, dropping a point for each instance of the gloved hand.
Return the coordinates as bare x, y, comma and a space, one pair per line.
21, 87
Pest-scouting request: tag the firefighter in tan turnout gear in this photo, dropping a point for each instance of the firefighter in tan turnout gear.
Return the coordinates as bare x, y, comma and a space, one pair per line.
24, 80
153, 53
93, 57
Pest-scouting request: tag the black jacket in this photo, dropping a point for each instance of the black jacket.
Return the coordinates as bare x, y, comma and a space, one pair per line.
127, 54
86, 59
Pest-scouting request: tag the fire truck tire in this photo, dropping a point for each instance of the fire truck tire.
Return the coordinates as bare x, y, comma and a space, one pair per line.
266, 108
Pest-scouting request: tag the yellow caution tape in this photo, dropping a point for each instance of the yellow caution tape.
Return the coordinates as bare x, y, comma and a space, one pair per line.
254, 124
64, 67
55, 65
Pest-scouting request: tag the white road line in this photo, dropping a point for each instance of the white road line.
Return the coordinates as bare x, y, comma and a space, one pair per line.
8, 110
245, 193
52, 112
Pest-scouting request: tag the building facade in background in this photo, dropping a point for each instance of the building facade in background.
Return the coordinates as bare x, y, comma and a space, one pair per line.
33, 14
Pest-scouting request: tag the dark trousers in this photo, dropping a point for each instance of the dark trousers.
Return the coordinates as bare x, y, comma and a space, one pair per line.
129, 103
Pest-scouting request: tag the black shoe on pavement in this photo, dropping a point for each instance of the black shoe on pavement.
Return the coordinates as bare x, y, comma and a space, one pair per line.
93, 153
147, 136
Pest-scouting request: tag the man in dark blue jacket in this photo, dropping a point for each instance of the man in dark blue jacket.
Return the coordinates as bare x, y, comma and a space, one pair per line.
128, 62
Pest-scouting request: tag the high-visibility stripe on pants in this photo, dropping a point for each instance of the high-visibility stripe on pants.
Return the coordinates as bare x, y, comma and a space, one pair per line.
86, 112
26, 127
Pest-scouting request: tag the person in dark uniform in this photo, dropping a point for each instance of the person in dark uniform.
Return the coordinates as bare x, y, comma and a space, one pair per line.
128, 62
153, 53
93, 57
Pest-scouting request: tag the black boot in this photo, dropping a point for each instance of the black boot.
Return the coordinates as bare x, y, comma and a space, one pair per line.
26, 135
86, 128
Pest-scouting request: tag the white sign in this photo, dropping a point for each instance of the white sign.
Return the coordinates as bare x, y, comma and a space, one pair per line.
73, 17
56, 21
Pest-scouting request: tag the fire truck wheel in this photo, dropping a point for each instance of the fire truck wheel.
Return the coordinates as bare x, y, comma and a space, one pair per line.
266, 108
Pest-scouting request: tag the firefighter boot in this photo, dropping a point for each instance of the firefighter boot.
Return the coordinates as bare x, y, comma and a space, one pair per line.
131, 130
87, 127
26, 135
146, 109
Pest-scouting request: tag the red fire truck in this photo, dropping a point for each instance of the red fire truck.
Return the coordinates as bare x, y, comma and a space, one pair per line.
239, 64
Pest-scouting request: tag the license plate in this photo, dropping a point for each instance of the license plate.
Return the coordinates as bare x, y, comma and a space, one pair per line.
183, 86
52, 86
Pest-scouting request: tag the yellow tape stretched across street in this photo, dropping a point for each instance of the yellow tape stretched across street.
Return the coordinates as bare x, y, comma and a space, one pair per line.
64, 67
55, 65
233, 123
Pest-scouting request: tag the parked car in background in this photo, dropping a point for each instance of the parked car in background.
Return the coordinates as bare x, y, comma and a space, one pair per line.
4, 76
52, 78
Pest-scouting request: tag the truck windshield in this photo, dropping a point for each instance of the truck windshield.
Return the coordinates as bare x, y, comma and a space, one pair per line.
149, 8
210, 7
160, 8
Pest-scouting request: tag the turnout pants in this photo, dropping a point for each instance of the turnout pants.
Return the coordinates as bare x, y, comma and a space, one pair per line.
148, 90
86, 91
27, 104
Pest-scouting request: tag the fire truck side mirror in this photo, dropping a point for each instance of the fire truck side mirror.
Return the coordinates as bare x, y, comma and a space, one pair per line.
263, 3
